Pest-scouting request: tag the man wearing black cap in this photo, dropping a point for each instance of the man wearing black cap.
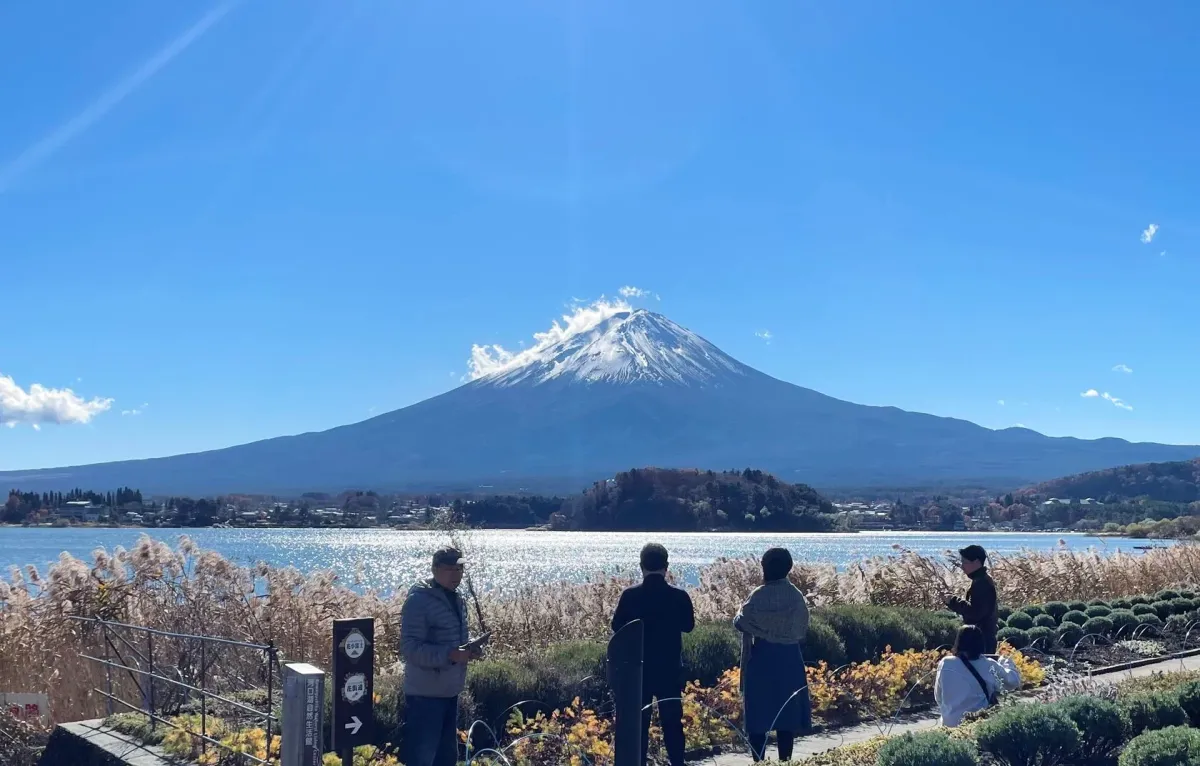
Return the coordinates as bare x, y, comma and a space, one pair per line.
666, 614
980, 606
435, 648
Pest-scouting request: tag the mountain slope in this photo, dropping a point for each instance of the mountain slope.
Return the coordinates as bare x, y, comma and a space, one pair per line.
629, 389
1176, 482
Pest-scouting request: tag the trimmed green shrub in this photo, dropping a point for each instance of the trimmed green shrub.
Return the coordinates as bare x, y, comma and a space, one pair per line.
1166, 595
935, 628
1174, 746
1003, 612
1019, 620
1042, 637
1075, 616
1150, 619
1056, 609
1177, 623
1123, 621
1188, 594
867, 630
1029, 735
1153, 711
1015, 637
497, 685
1044, 621
1101, 625
1076, 606
1033, 610
587, 658
1101, 725
1121, 603
1069, 634
1189, 699
1097, 602
1097, 611
1163, 609
710, 650
1182, 605
932, 748
1143, 609
823, 643
1135, 600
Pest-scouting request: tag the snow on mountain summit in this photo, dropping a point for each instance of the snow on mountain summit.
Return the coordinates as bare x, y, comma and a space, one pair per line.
627, 346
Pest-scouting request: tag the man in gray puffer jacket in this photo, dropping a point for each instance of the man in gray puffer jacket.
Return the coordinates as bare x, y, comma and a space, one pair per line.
434, 645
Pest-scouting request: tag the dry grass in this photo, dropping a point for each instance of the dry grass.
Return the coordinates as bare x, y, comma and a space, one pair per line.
185, 590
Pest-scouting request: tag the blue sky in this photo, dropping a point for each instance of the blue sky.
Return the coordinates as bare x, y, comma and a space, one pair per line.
254, 218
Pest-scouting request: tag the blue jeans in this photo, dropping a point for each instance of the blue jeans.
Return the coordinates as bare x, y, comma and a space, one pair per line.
431, 731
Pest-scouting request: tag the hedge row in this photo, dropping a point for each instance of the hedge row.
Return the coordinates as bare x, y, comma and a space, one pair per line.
1062, 624
1142, 730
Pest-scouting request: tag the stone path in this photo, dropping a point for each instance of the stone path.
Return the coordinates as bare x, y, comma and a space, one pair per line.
826, 741
93, 743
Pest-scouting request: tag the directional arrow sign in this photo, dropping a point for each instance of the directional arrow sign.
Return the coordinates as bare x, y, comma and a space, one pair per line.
353, 684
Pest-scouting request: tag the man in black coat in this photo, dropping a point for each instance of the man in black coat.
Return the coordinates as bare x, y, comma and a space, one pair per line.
980, 606
666, 614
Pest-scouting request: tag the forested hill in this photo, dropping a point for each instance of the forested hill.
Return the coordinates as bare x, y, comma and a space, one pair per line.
1176, 482
666, 500
655, 498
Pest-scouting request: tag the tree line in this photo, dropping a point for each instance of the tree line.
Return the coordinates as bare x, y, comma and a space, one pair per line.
665, 499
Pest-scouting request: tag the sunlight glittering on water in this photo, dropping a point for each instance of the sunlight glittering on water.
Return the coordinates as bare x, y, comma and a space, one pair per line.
386, 560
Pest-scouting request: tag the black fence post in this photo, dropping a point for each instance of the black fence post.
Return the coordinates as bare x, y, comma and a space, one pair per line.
150, 679
108, 700
625, 677
204, 703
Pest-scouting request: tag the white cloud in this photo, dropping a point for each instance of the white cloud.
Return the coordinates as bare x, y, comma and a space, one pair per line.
1092, 393
493, 358
1148, 234
49, 144
1124, 368
765, 335
1118, 402
1000, 402
629, 291
41, 405
136, 411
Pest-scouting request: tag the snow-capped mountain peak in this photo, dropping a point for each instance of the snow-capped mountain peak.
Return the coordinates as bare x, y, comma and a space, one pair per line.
632, 346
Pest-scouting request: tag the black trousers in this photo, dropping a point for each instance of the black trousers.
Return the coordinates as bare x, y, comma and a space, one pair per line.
783, 739
668, 692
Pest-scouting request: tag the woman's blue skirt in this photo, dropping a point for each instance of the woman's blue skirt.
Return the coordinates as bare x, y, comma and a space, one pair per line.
776, 689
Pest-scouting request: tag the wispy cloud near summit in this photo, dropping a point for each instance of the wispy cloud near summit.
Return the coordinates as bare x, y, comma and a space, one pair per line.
493, 358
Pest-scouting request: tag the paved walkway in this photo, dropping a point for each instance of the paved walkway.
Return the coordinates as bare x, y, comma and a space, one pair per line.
93, 742
825, 741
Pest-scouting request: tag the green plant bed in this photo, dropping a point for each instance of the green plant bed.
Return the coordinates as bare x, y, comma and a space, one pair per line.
1173, 746
1045, 621
1029, 735
1101, 724
1076, 616
926, 749
1146, 712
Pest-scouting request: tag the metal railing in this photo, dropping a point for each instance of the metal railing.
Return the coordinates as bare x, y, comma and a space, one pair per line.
176, 673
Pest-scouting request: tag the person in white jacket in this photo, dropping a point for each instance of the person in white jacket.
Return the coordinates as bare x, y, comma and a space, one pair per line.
958, 690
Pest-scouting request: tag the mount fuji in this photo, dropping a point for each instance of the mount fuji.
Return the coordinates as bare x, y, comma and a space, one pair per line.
627, 388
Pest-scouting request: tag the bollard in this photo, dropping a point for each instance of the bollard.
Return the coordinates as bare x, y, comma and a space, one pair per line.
625, 678
303, 715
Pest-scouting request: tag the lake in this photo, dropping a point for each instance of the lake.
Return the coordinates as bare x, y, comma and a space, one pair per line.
388, 559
